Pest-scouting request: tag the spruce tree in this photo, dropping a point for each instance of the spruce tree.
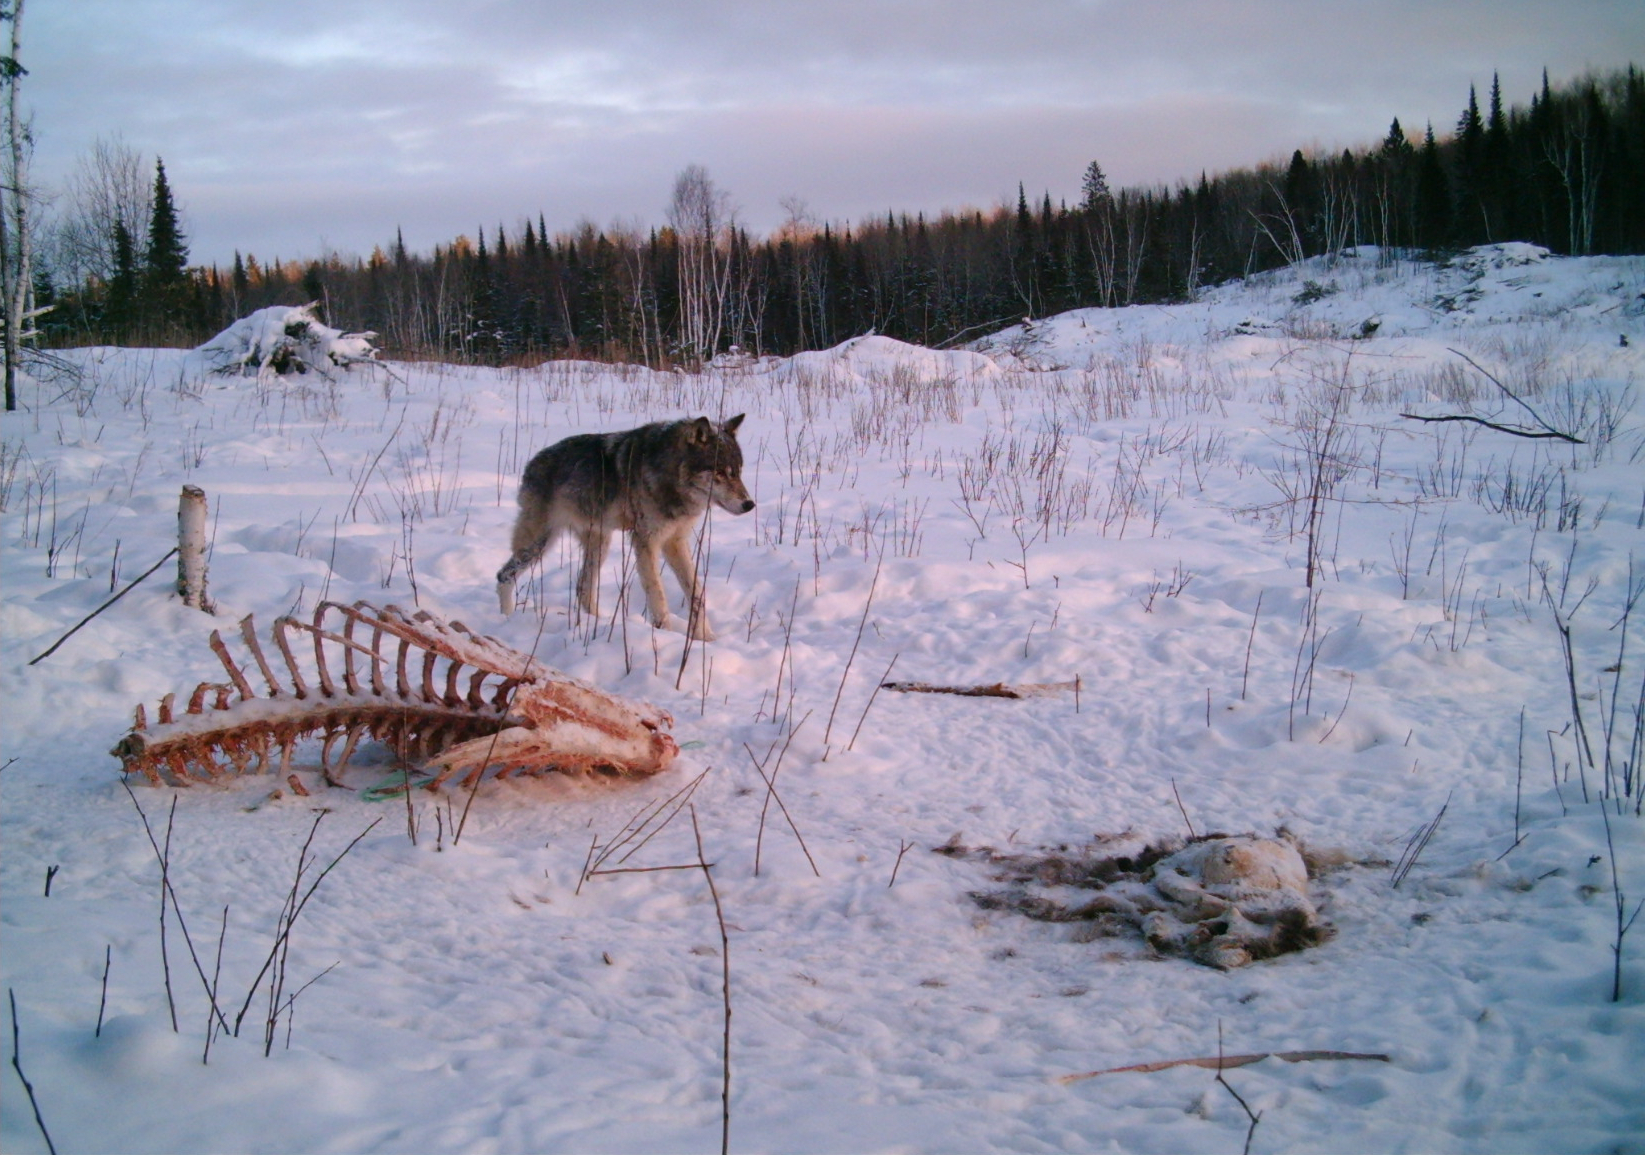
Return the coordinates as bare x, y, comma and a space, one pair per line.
1496, 172
165, 259
119, 309
1302, 202
240, 283
1434, 228
1094, 188
314, 285
1470, 222
1395, 146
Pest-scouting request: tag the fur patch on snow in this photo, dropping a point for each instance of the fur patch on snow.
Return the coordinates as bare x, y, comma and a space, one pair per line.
1222, 900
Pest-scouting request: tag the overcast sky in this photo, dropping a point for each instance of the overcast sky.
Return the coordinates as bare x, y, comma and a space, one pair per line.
296, 126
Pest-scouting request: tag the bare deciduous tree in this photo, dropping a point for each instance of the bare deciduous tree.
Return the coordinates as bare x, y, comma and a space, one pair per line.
704, 222
111, 185
810, 273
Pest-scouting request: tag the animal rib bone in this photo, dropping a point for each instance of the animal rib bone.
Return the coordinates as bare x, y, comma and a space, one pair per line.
437, 693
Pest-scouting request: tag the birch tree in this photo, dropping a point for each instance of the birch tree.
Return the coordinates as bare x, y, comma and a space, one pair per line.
16, 274
701, 216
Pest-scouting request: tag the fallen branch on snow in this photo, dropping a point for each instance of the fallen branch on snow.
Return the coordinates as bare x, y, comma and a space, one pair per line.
993, 690
1228, 1062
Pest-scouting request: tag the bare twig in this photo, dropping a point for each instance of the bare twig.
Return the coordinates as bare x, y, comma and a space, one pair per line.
1516, 430
1183, 810
1623, 925
1547, 430
725, 971
991, 690
771, 792
846, 673
216, 974
1345, 699
165, 885
770, 787
1227, 1062
582, 875
1254, 1116
411, 815
129, 587
103, 999
170, 892
295, 907
878, 686
902, 849
640, 823
1249, 642
17, 1064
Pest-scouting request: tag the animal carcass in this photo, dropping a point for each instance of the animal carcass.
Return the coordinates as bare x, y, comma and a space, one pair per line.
438, 694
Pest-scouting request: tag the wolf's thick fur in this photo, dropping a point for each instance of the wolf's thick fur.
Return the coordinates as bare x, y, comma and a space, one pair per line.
655, 482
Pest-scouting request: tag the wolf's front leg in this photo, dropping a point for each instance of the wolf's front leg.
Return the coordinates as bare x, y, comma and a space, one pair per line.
678, 553
651, 580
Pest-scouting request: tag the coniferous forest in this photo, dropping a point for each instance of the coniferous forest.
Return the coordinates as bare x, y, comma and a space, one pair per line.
1566, 171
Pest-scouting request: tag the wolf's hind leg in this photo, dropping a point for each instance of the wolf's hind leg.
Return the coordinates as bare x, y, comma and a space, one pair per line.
595, 545
531, 538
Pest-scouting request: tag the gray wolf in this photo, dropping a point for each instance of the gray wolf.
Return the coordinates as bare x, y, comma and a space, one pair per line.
655, 482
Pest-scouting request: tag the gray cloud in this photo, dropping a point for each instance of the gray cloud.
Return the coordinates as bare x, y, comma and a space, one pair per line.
289, 126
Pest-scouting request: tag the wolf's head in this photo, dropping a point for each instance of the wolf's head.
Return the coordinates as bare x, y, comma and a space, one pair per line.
716, 463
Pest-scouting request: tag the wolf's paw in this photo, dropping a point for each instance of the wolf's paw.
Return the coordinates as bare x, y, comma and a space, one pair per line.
505, 597
702, 632
676, 624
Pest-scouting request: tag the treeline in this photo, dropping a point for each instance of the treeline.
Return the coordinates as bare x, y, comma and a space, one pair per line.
1567, 172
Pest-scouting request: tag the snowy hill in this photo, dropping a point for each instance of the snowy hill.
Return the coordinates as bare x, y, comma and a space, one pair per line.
1289, 609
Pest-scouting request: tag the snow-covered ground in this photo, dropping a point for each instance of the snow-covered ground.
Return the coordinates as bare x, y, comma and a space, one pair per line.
1127, 496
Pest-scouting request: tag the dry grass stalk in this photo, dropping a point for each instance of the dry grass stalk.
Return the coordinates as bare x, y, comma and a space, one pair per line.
1417, 844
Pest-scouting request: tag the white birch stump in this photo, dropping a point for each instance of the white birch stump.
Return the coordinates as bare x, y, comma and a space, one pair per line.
191, 548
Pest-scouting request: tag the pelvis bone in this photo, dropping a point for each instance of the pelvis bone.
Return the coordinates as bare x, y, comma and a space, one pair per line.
439, 695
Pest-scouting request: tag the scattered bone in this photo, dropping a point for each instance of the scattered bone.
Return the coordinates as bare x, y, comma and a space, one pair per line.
438, 694
1221, 900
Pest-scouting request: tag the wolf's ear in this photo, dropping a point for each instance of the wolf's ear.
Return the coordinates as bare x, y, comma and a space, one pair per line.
701, 431
731, 423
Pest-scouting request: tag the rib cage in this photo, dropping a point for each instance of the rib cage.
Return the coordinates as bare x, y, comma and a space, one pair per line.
439, 695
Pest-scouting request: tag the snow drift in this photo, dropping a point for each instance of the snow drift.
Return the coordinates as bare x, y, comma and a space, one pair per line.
283, 339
